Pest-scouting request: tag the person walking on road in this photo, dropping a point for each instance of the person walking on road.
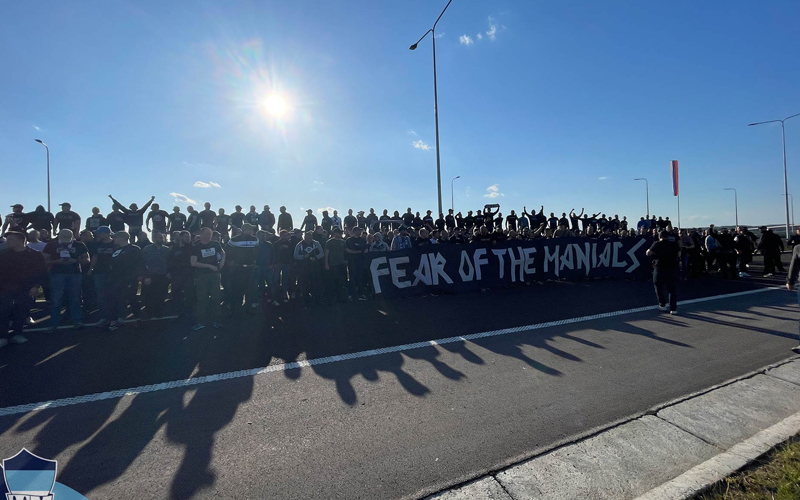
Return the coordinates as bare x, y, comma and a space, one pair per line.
665, 266
791, 280
771, 246
207, 259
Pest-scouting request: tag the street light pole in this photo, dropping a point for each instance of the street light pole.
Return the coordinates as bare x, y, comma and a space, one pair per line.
785, 175
736, 203
451, 191
647, 187
435, 103
793, 225
48, 172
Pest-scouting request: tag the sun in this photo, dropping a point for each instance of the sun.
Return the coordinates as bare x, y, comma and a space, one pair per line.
275, 105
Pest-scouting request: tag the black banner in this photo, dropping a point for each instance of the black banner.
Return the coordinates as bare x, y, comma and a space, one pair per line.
459, 268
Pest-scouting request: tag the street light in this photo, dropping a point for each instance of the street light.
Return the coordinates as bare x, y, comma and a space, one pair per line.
735, 203
792, 197
785, 176
451, 191
647, 187
48, 172
435, 103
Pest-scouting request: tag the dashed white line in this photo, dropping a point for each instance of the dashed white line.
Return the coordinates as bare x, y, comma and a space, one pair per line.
13, 410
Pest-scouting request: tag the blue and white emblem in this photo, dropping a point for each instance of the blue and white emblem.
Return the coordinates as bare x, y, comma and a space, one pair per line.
29, 477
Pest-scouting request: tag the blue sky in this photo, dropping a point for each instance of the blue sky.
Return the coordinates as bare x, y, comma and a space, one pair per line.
554, 103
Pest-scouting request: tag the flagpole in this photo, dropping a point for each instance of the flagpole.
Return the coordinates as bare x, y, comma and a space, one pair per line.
679, 210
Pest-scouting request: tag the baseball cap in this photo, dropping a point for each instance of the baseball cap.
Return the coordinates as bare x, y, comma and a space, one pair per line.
15, 205
65, 203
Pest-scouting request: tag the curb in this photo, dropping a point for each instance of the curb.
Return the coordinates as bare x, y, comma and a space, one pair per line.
685, 485
703, 476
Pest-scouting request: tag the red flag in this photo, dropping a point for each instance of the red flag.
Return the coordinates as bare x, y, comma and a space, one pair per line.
674, 177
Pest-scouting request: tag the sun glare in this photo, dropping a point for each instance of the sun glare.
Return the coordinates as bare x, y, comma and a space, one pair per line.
275, 105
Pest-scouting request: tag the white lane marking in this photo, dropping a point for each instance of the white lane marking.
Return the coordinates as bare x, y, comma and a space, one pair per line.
56, 403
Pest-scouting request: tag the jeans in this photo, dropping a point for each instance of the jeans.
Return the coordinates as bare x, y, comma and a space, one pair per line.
664, 281
154, 295
16, 307
241, 284
68, 285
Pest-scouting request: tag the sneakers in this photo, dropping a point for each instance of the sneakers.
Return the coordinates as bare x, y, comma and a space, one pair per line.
674, 313
796, 349
768, 275
362, 297
663, 308
198, 326
744, 275
18, 339
3, 342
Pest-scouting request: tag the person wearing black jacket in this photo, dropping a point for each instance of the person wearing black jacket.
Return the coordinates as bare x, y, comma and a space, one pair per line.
665, 266
770, 246
285, 220
134, 218
181, 276
126, 270
791, 280
22, 271
727, 254
41, 220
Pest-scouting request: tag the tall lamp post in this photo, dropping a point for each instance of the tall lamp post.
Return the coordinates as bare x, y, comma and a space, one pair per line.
48, 172
451, 191
647, 187
735, 203
785, 176
432, 31
792, 197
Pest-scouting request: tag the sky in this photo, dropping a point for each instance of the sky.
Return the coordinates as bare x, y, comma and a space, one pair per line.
559, 103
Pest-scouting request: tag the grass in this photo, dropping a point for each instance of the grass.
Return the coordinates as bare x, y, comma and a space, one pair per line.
775, 476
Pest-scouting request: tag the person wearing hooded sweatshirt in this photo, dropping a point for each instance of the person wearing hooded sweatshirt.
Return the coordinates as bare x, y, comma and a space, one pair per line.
41, 220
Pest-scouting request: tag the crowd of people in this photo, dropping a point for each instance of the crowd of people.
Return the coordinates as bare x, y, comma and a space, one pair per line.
212, 263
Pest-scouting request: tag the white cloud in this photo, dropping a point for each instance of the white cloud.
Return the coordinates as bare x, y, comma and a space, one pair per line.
602, 178
492, 33
329, 209
480, 36
182, 198
37, 128
465, 40
201, 184
440, 35
319, 183
421, 145
493, 191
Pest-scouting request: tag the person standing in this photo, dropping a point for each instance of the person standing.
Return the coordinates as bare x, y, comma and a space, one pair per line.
134, 218
207, 259
309, 222
327, 222
41, 220
125, 271
355, 247
159, 217
252, 216
336, 221
208, 219
242, 253
771, 246
665, 264
791, 281
116, 219
336, 267
177, 220
284, 266
67, 219
223, 224
15, 221
309, 255
192, 221
65, 256
237, 218
96, 220
33, 241
267, 220
181, 276
155, 280
285, 220
99, 269
744, 247
22, 271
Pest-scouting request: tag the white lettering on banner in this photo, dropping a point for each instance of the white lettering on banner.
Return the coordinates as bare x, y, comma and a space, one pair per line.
566, 258
437, 268
581, 257
551, 257
615, 262
516, 262
465, 260
377, 272
530, 268
398, 273
594, 255
480, 260
605, 257
500, 254
423, 272
632, 255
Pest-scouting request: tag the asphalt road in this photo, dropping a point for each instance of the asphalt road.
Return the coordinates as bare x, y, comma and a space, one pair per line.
395, 425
